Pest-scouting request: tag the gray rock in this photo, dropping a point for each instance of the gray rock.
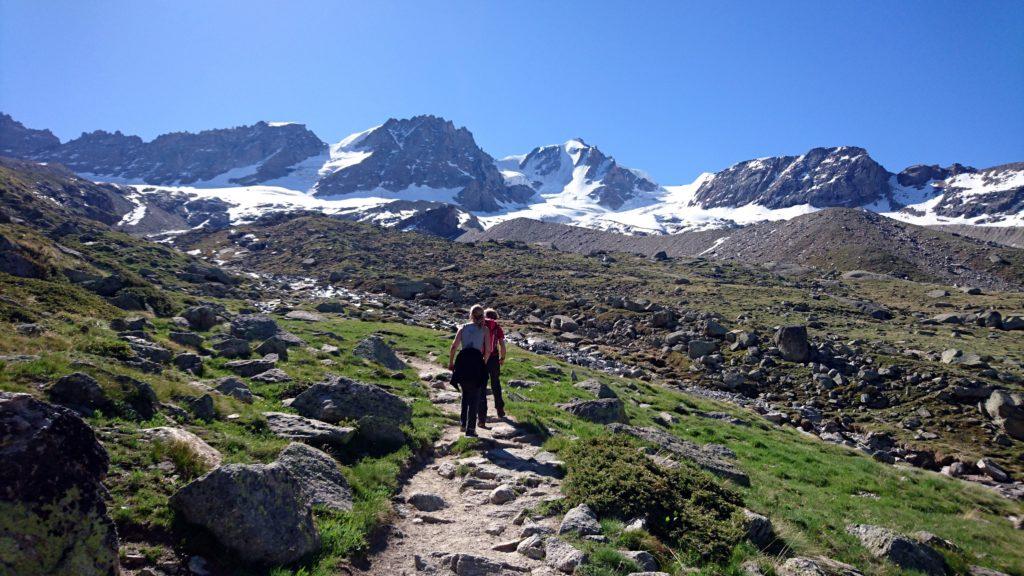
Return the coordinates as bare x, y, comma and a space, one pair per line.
189, 362
816, 566
1013, 323
252, 367
426, 501
472, 565
374, 349
208, 455
599, 389
562, 556
947, 318
53, 519
697, 348
379, 432
532, 547
341, 398
601, 411
563, 323
278, 344
231, 386
272, 376
81, 393
253, 327
792, 343
187, 339
203, 407
257, 510
302, 429
759, 529
202, 317
502, 494
148, 350
581, 521
643, 559
993, 470
304, 315
318, 475
227, 347
905, 552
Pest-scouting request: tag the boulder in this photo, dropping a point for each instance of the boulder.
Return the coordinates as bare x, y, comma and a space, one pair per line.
792, 343
203, 407
907, 553
643, 559
228, 347
278, 344
532, 547
187, 339
1013, 323
206, 454
53, 520
302, 429
697, 348
815, 566
342, 398
253, 327
502, 494
304, 315
759, 529
947, 318
562, 556
318, 475
81, 393
231, 386
601, 411
405, 288
563, 323
712, 329
993, 470
580, 521
202, 317
272, 376
189, 362
259, 511
599, 389
247, 368
374, 349
426, 501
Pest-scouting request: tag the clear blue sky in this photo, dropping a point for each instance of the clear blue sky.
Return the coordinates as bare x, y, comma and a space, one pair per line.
674, 88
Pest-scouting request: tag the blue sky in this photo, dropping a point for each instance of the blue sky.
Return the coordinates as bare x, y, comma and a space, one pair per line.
673, 88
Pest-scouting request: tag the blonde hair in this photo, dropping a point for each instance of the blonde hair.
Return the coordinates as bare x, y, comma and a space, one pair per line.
476, 313
491, 313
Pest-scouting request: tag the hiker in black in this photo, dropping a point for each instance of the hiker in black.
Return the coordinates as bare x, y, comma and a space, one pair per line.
469, 368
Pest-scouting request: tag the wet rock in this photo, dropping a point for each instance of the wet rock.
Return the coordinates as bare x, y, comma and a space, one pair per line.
253, 327
206, 454
374, 349
581, 521
53, 520
905, 552
318, 475
792, 343
601, 411
313, 432
259, 511
81, 393
426, 501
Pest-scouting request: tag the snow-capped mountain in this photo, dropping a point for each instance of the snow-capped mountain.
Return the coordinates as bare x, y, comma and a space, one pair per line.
425, 173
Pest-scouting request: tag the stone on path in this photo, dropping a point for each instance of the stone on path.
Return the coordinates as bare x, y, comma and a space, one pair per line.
562, 556
426, 501
581, 521
532, 547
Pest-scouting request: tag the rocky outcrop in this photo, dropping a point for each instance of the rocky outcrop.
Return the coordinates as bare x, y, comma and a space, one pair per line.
823, 177
207, 455
53, 520
259, 511
17, 141
905, 552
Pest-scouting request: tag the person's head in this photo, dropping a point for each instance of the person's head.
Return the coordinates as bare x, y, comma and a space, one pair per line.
491, 314
476, 314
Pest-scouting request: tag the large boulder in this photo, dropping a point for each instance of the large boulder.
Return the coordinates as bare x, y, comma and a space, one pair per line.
345, 399
80, 392
319, 476
302, 429
259, 511
792, 343
600, 411
374, 349
901, 550
53, 520
201, 317
697, 348
253, 327
248, 368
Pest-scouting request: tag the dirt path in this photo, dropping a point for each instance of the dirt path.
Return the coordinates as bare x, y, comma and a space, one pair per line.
475, 529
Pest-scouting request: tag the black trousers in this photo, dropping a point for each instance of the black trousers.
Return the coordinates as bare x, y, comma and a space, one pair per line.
474, 404
494, 374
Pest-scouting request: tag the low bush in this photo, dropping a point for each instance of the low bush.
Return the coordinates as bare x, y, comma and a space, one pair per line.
684, 506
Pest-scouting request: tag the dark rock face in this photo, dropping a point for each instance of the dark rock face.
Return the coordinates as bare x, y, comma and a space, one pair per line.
425, 151
185, 158
444, 220
259, 511
52, 515
793, 344
920, 174
554, 165
998, 201
79, 392
845, 176
17, 141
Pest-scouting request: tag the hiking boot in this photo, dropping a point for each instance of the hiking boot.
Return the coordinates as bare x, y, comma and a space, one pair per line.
483, 425
501, 413
471, 433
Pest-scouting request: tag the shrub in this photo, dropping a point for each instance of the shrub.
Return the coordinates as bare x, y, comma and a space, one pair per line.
684, 506
186, 461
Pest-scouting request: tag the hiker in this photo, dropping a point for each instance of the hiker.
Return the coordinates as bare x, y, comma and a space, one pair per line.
469, 368
494, 364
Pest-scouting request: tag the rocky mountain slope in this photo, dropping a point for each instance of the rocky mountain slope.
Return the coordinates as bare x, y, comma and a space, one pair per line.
834, 239
283, 166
